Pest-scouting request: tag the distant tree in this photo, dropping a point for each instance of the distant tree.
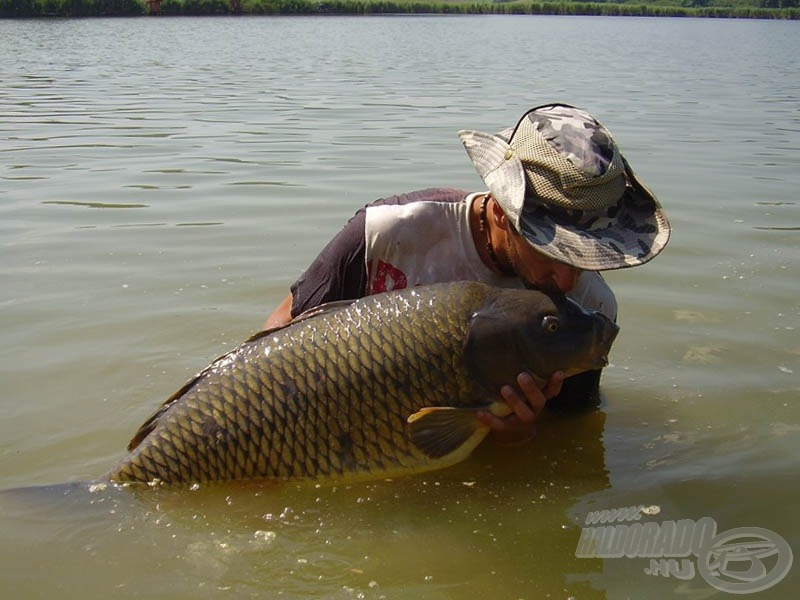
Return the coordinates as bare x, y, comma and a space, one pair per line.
19, 8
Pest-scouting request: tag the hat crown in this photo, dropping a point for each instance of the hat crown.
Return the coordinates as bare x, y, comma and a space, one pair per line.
569, 159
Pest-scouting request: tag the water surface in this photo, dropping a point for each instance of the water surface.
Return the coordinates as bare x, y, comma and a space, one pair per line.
162, 183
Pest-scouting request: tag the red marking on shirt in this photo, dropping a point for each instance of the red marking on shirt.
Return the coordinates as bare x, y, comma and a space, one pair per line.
387, 278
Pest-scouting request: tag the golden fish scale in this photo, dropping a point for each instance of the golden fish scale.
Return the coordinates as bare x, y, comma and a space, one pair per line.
325, 397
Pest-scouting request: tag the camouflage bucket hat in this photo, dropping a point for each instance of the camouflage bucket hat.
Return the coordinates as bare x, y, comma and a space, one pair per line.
564, 185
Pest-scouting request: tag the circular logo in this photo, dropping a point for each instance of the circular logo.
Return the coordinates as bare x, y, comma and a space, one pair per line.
745, 560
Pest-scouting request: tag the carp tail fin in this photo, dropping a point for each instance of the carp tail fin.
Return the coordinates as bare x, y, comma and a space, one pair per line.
446, 431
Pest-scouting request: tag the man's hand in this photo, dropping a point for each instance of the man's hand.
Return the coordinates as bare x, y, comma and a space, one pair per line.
526, 403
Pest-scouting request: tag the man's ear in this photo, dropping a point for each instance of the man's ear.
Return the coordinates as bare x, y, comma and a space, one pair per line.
498, 216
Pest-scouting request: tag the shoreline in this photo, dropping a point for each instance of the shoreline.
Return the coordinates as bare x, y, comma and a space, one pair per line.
25, 9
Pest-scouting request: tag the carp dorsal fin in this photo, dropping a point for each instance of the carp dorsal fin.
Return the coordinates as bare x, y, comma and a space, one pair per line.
446, 431
322, 309
151, 423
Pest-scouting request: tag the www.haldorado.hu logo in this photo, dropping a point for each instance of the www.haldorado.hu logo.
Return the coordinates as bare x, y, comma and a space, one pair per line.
740, 561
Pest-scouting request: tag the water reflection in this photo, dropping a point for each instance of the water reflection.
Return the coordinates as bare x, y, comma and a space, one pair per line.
452, 533
249, 143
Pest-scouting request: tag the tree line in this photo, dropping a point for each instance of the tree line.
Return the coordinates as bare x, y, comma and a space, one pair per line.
763, 9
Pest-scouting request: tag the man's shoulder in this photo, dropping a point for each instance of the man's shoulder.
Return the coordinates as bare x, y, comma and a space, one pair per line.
415, 224
434, 194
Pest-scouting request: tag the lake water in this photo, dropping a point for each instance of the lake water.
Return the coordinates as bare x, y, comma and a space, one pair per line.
163, 181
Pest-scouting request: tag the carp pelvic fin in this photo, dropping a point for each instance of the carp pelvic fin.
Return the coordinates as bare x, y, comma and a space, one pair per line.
441, 431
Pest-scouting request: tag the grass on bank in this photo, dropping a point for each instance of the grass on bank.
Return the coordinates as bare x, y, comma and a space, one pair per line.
761, 9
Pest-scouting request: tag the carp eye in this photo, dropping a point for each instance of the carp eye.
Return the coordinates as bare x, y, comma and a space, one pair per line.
551, 323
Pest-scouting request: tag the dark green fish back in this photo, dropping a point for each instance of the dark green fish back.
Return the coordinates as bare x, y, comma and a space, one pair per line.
324, 397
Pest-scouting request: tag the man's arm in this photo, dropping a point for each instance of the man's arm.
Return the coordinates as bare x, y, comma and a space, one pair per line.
281, 315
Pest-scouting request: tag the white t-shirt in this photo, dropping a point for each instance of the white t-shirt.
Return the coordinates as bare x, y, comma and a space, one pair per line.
427, 242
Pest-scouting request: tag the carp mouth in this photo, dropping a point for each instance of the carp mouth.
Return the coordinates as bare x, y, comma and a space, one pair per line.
605, 333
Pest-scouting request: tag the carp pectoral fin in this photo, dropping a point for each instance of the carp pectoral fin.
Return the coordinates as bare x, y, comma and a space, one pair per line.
440, 431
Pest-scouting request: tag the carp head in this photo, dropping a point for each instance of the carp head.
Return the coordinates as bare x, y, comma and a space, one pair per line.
527, 330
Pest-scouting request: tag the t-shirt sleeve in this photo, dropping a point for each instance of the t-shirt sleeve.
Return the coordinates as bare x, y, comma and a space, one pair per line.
339, 272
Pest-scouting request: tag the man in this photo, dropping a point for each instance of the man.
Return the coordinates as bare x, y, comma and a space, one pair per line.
562, 204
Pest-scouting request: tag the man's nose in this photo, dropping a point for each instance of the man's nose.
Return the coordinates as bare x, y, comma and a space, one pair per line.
565, 277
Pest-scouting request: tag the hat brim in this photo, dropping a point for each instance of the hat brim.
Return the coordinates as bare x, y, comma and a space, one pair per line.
628, 234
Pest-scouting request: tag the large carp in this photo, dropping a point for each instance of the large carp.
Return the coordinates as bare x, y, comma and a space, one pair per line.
385, 385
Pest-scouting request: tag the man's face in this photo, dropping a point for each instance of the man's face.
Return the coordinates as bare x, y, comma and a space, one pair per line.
538, 270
